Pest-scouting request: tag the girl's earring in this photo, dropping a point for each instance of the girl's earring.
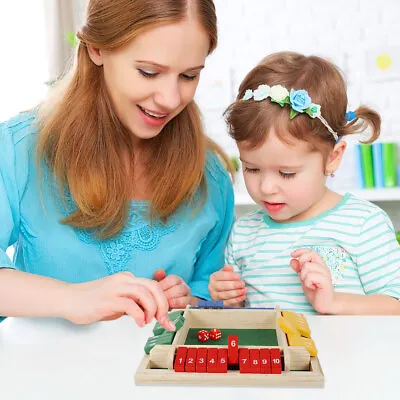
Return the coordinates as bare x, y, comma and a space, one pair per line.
331, 174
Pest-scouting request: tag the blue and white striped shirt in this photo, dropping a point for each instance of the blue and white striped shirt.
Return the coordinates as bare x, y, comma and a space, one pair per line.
356, 239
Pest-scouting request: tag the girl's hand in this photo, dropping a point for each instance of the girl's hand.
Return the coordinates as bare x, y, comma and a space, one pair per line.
315, 278
116, 295
226, 285
176, 290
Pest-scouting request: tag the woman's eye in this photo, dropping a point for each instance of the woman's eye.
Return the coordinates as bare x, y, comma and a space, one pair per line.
189, 77
287, 175
147, 74
251, 170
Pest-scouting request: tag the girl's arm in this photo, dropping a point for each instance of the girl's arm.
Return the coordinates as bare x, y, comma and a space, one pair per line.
372, 304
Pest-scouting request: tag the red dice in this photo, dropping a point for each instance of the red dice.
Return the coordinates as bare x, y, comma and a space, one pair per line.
203, 335
215, 334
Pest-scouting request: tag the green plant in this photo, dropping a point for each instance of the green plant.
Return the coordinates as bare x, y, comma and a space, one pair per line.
236, 163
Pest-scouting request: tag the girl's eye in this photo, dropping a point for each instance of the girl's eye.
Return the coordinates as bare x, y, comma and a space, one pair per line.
190, 77
147, 74
251, 170
287, 175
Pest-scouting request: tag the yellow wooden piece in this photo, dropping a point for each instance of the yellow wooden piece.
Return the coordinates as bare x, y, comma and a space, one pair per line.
287, 326
298, 321
308, 343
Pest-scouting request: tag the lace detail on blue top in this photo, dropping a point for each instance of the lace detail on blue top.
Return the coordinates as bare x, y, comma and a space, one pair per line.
139, 234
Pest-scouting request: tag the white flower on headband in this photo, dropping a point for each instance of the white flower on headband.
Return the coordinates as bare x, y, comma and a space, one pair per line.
279, 94
248, 94
261, 93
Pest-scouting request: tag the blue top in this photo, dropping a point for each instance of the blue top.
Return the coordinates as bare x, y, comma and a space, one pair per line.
191, 244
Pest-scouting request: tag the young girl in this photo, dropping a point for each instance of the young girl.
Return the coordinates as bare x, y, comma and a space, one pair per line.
307, 249
113, 195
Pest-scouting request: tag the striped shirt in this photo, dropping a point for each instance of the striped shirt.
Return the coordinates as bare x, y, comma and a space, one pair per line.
356, 239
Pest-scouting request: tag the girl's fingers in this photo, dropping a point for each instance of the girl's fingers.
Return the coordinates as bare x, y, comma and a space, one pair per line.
177, 291
159, 275
299, 252
180, 302
225, 276
230, 294
314, 280
313, 267
295, 265
307, 255
234, 302
223, 286
170, 281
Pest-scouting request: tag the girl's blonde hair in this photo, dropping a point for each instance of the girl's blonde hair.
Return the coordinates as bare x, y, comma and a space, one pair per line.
81, 138
251, 121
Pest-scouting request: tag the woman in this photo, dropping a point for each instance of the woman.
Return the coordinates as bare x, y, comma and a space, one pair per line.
130, 190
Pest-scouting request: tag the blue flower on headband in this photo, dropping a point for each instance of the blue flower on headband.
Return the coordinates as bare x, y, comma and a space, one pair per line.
300, 100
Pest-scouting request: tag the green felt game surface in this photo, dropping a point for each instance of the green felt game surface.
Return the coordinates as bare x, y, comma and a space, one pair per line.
247, 337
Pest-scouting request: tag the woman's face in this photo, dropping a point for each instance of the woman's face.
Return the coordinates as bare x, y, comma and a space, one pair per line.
155, 76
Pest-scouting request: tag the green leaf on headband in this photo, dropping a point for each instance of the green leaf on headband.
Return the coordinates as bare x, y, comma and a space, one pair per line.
286, 100
293, 113
309, 111
281, 103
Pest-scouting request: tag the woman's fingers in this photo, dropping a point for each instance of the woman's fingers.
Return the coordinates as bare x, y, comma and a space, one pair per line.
161, 301
129, 307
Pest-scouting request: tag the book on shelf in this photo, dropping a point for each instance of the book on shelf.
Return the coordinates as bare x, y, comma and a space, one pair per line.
376, 165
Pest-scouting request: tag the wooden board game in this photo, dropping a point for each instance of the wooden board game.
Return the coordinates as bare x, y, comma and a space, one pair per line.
266, 355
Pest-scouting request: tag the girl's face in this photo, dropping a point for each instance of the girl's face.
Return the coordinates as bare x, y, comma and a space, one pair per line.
286, 180
155, 76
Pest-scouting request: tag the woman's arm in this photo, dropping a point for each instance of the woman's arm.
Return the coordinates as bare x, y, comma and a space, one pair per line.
23, 294
26, 295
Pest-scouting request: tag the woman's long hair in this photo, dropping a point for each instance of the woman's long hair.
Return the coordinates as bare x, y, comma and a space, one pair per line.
81, 138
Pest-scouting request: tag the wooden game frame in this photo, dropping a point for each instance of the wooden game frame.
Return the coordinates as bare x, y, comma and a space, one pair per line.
299, 368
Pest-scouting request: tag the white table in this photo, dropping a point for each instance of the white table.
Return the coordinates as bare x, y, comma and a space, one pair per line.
53, 359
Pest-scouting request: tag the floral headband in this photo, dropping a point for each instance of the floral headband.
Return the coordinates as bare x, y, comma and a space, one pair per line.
299, 101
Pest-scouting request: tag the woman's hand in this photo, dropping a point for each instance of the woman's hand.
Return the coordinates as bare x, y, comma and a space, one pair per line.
315, 278
226, 285
116, 295
175, 289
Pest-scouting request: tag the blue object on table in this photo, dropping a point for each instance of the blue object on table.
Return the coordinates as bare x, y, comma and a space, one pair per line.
210, 304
